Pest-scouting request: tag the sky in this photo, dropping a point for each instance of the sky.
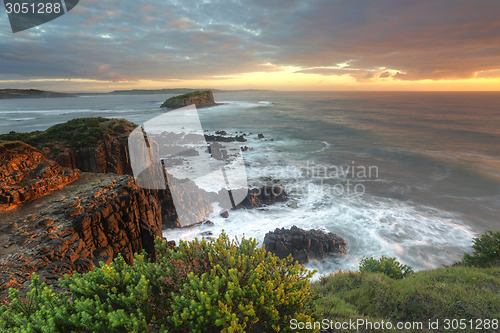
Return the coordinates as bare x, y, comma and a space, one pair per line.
281, 45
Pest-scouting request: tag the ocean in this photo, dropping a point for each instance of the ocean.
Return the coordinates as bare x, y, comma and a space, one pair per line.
412, 175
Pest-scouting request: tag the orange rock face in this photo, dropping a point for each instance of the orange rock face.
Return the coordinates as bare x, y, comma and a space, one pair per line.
91, 220
26, 174
56, 220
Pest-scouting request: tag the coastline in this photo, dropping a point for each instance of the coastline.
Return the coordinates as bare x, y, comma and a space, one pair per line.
54, 226
407, 212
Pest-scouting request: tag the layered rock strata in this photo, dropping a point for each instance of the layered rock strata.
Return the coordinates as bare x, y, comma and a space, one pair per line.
88, 221
108, 156
55, 220
26, 174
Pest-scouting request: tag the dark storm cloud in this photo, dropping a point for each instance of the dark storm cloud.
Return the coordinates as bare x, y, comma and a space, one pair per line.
166, 40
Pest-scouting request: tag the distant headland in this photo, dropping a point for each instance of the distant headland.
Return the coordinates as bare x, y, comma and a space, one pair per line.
35, 93
31, 93
175, 91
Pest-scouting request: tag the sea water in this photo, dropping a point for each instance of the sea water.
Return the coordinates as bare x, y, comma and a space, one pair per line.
415, 175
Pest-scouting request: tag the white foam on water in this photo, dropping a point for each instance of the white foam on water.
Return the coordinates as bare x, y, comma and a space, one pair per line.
420, 236
48, 112
21, 119
237, 105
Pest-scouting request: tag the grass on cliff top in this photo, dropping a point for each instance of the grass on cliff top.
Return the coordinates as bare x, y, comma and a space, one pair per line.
459, 292
76, 133
467, 292
191, 94
13, 146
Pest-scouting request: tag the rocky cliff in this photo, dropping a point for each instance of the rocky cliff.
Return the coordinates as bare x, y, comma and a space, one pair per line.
99, 145
88, 144
91, 220
108, 156
26, 174
55, 220
203, 98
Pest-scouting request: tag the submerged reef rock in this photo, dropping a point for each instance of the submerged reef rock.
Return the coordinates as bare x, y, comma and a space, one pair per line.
302, 244
203, 98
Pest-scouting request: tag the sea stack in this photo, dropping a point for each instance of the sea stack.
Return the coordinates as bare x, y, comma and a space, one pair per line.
203, 98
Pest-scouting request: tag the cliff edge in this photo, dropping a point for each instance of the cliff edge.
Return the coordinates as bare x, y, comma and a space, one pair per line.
88, 144
55, 220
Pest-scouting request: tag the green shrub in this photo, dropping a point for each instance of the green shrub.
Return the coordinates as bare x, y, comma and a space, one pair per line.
243, 287
215, 286
388, 266
110, 299
486, 251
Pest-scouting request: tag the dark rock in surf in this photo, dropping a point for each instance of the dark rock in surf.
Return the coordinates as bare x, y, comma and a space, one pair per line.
220, 138
302, 244
264, 196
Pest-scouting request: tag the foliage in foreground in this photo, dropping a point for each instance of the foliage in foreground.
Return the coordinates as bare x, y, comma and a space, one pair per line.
486, 251
457, 292
388, 266
216, 286
386, 290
